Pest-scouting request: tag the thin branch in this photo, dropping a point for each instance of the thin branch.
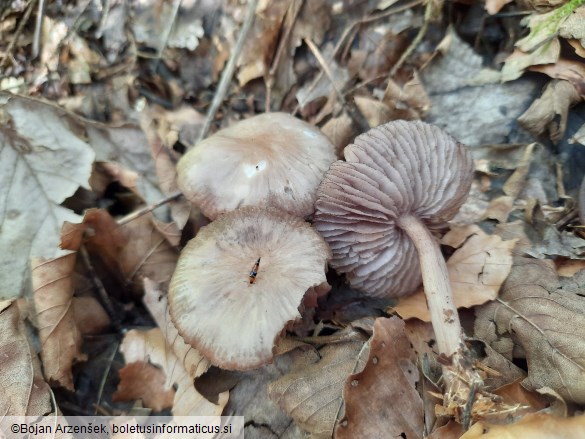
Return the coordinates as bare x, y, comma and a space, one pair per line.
228, 71
169, 28
146, 209
36, 48
18, 31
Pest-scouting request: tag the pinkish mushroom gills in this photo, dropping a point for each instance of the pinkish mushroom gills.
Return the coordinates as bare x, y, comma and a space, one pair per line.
269, 160
376, 209
242, 280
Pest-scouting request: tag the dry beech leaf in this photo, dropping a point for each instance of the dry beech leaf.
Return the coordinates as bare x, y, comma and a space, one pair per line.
340, 131
375, 112
382, 401
155, 299
141, 380
476, 271
151, 347
551, 111
571, 71
43, 160
410, 101
126, 254
60, 338
90, 316
542, 317
312, 392
24, 390
493, 6
518, 61
532, 426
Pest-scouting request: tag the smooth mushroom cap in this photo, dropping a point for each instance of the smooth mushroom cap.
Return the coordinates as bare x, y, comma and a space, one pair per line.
269, 160
233, 322
395, 169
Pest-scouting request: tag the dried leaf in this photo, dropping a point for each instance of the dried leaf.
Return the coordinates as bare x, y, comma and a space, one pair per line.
518, 61
125, 254
90, 316
43, 160
141, 380
375, 112
545, 317
155, 299
60, 338
476, 271
340, 131
150, 347
312, 392
571, 71
493, 6
550, 111
24, 391
389, 375
532, 426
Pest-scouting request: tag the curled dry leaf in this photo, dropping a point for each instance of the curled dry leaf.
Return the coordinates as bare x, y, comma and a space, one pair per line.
312, 392
60, 338
150, 347
533, 426
544, 317
125, 254
24, 391
43, 160
477, 269
551, 111
382, 400
155, 299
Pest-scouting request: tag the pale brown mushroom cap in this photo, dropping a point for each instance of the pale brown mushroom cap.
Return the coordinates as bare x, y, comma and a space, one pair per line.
269, 160
212, 303
397, 168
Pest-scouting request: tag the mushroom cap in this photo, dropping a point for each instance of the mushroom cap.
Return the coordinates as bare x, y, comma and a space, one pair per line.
395, 169
269, 160
232, 322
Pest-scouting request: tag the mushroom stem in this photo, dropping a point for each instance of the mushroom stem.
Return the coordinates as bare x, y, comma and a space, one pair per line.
444, 316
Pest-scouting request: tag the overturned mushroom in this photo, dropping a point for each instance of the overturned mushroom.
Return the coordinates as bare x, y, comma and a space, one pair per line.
272, 159
377, 209
241, 280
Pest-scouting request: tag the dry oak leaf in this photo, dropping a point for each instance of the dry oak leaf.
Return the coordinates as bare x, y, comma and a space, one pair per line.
531, 426
58, 333
24, 390
43, 160
125, 254
382, 400
312, 392
155, 299
477, 269
150, 347
541, 317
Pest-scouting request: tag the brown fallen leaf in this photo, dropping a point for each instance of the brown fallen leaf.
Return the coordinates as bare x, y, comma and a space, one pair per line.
382, 400
571, 71
550, 112
141, 380
60, 338
150, 347
90, 316
476, 271
532, 426
542, 318
340, 131
410, 101
24, 390
312, 392
493, 6
123, 255
155, 299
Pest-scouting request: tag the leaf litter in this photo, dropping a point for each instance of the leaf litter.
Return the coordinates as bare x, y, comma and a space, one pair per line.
141, 77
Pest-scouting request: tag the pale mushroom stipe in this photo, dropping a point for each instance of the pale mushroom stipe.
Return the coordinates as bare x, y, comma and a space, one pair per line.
269, 160
376, 209
242, 280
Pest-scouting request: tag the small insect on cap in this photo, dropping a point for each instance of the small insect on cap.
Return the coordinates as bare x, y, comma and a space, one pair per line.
213, 303
269, 160
400, 168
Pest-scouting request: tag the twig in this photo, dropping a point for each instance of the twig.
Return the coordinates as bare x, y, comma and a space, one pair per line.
419, 36
228, 71
138, 213
295, 6
36, 48
104, 18
105, 376
169, 28
16, 36
102, 293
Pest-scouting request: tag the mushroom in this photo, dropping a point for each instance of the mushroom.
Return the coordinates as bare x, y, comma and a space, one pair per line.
272, 159
241, 280
377, 210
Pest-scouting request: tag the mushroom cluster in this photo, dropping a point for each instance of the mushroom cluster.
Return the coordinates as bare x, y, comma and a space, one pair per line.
270, 160
241, 280
378, 208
